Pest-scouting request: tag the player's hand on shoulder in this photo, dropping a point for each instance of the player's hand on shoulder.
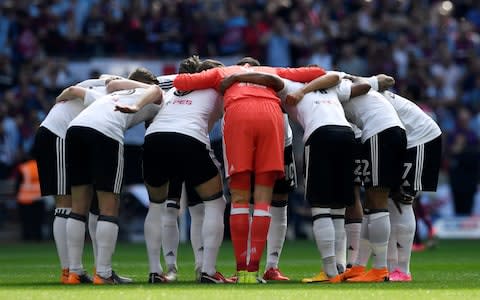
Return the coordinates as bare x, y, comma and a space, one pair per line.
65, 95
294, 98
129, 109
226, 83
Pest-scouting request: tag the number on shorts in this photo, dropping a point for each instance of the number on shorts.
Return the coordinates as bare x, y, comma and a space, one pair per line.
361, 163
407, 167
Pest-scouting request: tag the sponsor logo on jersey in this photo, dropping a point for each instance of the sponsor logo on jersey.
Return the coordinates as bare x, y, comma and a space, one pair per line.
182, 101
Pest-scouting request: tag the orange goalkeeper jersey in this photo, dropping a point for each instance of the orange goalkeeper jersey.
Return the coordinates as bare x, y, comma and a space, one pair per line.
239, 91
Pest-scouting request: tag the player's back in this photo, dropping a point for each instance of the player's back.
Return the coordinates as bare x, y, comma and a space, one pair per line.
318, 108
372, 113
188, 113
243, 91
62, 113
419, 126
101, 114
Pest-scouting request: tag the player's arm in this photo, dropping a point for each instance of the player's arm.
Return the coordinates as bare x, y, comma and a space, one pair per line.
198, 81
153, 94
272, 81
71, 93
359, 87
319, 83
303, 74
381, 82
125, 84
91, 83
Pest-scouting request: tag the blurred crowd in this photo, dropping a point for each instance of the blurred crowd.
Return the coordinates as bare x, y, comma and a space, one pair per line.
432, 48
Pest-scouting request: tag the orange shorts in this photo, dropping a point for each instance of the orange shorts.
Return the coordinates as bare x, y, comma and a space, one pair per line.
254, 137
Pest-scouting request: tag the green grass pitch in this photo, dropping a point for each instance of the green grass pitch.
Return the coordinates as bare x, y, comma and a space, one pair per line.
31, 271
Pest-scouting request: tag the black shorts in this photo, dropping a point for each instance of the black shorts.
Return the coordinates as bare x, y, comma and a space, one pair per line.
288, 183
175, 190
94, 158
328, 167
421, 167
170, 155
383, 155
49, 151
358, 162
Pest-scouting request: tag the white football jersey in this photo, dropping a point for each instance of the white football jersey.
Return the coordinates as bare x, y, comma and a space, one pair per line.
372, 113
319, 108
101, 114
62, 113
188, 113
356, 131
288, 131
166, 82
419, 127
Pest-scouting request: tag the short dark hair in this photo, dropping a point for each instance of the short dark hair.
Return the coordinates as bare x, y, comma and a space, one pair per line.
248, 60
209, 64
143, 75
189, 65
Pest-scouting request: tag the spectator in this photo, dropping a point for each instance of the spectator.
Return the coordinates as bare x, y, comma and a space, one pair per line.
464, 168
278, 44
350, 62
31, 206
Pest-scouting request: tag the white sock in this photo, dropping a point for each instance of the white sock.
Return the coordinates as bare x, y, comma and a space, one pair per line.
197, 214
60, 234
365, 250
107, 233
392, 253
403, 227
324, 233
75, 244
92, 230
379, 233
212, 233
352, 231
338, 218
170, 233
276, 235
153, 235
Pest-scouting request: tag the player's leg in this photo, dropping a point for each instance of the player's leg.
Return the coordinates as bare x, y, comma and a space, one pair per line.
153, 230
79, 171
238, 161
156, 175
211, 193
261, 217
353, 225
343, 160
354, 213
106, 236
92, 227
196, 209
63, 207
108, 176
276, 236
278, 224
170, 231
386, 152
240, 218
202, 172
50, 148
268, 128
402, 217
76, 226
403, 224
329, 188
420, 173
